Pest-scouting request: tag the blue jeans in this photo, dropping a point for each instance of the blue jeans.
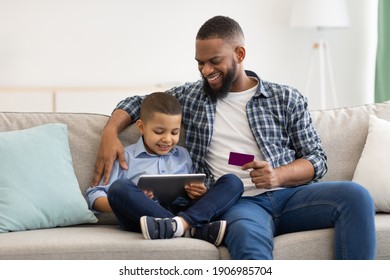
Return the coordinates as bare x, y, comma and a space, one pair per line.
253, 222
129, 203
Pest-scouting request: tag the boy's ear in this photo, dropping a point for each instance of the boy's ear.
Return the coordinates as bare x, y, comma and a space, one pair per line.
140, 126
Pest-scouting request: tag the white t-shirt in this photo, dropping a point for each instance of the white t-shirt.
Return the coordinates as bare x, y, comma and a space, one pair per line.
233, 134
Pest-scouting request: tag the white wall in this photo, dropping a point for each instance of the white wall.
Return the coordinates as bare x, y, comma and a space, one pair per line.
124, 43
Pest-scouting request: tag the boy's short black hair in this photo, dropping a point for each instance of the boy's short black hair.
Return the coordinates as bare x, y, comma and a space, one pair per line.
159, 102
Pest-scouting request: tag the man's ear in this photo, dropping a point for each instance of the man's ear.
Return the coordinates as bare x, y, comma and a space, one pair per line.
240, 54
140, 126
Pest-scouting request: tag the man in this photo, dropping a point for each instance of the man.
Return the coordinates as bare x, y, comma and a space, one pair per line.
231, 109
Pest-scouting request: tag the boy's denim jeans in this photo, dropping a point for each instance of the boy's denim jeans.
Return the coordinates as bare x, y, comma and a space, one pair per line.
253, 222
129, 203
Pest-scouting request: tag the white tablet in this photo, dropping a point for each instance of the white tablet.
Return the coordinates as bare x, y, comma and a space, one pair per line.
166, 188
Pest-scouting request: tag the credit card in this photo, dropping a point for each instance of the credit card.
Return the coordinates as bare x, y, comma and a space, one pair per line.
240, 159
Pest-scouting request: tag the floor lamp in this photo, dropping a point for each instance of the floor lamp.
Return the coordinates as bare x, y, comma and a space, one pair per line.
321, 15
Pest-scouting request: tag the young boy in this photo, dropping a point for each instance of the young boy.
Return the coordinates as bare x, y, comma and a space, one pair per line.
156, 153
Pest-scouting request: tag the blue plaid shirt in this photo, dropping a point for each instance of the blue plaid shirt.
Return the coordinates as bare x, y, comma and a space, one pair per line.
278, 117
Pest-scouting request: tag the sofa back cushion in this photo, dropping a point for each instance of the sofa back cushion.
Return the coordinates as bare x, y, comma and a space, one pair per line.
84, 132
343, 133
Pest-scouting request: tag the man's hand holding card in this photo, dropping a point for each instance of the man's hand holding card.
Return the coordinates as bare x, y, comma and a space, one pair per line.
262, 173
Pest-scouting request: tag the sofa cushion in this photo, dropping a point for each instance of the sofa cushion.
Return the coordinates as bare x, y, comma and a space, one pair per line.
99, 242
343, 133
38, 186
373, 167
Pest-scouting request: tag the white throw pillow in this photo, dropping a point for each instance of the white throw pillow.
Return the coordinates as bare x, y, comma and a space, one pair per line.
373, 168
38, 186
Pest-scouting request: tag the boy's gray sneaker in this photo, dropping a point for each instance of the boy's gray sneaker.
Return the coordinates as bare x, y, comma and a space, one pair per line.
157, 228
212, 232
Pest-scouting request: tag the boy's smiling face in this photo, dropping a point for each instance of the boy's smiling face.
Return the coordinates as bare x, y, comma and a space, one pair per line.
160, 133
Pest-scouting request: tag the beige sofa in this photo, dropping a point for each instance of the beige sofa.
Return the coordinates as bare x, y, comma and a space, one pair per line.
343, 132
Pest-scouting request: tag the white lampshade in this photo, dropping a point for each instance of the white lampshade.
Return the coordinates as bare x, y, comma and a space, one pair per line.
320, 13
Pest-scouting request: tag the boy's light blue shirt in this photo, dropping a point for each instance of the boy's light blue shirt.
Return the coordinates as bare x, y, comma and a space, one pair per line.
140, 162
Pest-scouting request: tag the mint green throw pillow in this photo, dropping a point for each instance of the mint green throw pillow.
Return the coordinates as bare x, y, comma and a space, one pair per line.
38, 186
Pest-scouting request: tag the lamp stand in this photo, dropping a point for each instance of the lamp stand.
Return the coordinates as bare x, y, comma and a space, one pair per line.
322, 52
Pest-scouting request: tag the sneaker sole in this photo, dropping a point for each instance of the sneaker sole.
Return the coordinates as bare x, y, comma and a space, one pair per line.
221, 233
144, 228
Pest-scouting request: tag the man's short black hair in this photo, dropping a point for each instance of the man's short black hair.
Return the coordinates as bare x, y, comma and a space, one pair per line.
220, 27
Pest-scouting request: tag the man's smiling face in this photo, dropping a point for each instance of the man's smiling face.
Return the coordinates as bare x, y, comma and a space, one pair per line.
217, 66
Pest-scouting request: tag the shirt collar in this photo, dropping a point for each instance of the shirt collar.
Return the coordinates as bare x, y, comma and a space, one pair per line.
140, 149
260, 90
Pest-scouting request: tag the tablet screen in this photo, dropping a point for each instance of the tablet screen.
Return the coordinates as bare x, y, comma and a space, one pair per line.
167, 188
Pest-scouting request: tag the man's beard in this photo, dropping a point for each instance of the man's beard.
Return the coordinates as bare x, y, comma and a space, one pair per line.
227, 83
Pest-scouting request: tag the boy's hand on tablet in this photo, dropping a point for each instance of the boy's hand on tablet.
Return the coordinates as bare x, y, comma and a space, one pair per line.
195, 190
149, 194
